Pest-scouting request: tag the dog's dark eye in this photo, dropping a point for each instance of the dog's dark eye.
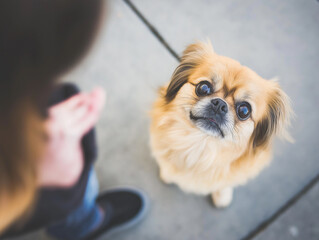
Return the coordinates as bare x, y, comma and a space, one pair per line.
243, 111
204, 88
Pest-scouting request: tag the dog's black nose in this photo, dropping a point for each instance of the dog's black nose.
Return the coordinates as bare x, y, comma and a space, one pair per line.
219, 106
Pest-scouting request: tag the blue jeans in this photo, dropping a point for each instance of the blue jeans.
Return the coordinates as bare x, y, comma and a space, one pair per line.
84, 219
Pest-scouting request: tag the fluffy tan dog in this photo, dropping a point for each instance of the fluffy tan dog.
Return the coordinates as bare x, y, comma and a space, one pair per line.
213, 124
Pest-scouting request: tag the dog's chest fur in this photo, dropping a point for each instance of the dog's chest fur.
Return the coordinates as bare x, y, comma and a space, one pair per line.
197, 162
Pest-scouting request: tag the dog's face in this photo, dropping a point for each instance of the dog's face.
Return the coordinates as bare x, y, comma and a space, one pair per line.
226, 100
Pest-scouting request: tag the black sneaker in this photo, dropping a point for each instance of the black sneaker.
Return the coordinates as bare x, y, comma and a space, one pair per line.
123, 208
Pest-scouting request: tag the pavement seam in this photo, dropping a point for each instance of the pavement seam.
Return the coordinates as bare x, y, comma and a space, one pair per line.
292, 201
152, 29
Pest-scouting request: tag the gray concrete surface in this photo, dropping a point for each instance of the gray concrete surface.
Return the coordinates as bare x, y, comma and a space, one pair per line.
273, 38
299, 222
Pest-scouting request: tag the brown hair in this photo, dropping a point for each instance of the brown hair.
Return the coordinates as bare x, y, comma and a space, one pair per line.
39, 40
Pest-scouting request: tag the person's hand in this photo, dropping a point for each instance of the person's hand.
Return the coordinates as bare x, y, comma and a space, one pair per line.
68, 122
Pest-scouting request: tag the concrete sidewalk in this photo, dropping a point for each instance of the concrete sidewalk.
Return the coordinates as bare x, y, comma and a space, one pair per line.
275, 38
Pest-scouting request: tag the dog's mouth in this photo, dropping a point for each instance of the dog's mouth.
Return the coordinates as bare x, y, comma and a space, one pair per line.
211, 122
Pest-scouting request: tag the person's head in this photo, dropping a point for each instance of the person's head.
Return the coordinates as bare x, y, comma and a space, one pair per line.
39, 41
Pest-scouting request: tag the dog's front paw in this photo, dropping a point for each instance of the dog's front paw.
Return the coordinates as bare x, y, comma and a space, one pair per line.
222, 198
164, 177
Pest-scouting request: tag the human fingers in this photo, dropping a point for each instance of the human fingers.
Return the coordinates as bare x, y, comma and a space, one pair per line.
69, 104
93, 111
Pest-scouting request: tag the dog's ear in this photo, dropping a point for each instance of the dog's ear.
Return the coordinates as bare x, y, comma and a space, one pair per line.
191, 58
198, 50
276, 120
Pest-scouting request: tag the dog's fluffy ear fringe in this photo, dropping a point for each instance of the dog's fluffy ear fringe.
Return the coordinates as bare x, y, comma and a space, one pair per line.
198, 50
277, 120
190, 59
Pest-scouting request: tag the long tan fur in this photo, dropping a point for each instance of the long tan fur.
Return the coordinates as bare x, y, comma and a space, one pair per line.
197, 161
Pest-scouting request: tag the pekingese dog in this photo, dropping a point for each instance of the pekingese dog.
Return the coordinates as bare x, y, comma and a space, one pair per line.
212, 126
